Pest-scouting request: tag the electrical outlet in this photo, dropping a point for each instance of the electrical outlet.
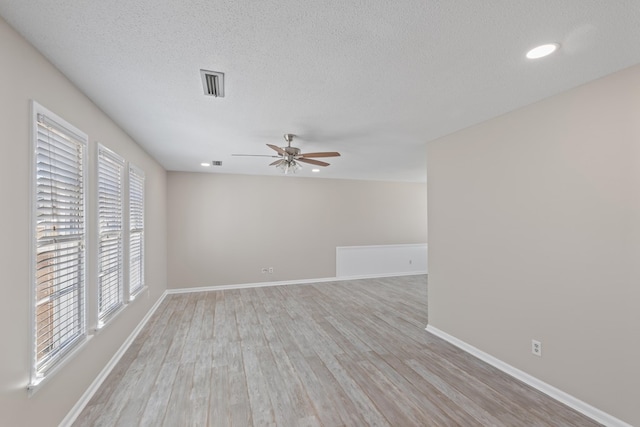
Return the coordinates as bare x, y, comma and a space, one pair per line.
265, 270
536, 347
270, 270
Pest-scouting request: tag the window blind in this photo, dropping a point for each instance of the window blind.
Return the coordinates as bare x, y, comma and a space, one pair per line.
110, 227
59, 222
136, 230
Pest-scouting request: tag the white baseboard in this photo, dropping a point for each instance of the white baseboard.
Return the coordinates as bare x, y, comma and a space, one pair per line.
288, 282
379, 276
559, 395
88, 394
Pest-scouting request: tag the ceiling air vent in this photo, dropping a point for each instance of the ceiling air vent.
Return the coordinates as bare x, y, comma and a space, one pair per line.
213, 83
216, 162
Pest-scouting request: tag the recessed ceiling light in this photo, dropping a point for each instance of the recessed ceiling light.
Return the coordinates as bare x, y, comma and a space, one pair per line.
315, 170
543, 50
206, 165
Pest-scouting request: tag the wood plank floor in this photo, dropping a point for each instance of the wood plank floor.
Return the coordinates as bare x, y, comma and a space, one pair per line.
350, 353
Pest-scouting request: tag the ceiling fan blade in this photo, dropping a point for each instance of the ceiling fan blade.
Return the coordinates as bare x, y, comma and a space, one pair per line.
278, 149
323, 154
277, 162
312, 162
254, 155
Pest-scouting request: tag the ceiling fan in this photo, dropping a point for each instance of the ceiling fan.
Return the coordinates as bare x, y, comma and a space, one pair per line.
289, 157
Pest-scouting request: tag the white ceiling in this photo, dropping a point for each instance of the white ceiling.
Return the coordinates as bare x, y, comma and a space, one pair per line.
375, 80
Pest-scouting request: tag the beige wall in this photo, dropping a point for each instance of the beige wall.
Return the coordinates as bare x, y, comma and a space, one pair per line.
224, 228
534, 232
26, 75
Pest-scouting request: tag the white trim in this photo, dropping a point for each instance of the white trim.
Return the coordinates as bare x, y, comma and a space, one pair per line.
132, 297
381, 275
35, 108
403, 245
68, 357
559, 395
88, 394
102, 323
286, 282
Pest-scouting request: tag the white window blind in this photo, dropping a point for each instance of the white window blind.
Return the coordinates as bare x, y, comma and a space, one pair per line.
136, 230
110, 238
59, 239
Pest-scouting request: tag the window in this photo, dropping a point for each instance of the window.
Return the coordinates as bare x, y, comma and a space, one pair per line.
59, 239
110, 228
136, 231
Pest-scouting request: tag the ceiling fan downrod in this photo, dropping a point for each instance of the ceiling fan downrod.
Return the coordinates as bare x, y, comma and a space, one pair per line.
289, 137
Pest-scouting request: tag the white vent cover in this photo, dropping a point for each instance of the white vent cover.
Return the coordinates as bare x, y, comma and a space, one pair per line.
213, 83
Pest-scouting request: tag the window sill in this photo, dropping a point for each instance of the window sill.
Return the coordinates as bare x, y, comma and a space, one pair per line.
138, 294
35, 386
102, 323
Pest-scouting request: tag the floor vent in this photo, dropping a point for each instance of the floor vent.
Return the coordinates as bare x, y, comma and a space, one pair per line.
213, 83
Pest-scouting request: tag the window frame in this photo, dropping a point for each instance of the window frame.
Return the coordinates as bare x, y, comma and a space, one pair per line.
41, 371
135, 291
105, 315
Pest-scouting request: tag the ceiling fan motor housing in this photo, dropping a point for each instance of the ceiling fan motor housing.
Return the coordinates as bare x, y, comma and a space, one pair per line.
292, 151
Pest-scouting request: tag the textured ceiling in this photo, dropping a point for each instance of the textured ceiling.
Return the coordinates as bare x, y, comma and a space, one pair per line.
375, 80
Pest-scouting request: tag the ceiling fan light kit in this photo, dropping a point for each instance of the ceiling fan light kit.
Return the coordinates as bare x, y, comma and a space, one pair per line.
289, 157
289, 166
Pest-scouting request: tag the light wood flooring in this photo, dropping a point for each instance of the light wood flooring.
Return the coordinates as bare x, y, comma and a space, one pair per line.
351, 353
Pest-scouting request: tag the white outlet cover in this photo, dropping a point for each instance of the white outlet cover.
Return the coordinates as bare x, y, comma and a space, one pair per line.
536, 347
